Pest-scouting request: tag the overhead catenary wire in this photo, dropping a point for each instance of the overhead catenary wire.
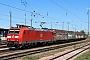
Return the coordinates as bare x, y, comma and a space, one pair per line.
4, 19
73, 6
21, 10
14, 7
26, 11
47, 16
13, 16
41, 14
31, 12
67, 10
50, 11
44, 15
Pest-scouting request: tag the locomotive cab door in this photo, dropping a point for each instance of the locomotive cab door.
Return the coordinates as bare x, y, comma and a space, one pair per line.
25, 36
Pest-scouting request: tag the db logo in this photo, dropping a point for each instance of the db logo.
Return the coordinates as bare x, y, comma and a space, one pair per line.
41, 35
13, 36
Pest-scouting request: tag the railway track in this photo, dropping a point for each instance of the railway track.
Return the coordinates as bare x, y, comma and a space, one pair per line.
3, 42
20, 53
4, 49
70, 54
3, 46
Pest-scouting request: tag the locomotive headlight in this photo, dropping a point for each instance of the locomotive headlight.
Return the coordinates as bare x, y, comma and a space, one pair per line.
8, 36
16, 36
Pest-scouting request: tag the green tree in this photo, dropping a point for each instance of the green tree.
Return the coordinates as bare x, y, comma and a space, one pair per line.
82, 31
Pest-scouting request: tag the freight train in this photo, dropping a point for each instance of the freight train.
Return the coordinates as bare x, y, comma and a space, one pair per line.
22, 36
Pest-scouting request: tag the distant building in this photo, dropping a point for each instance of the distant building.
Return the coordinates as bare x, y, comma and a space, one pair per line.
3, 33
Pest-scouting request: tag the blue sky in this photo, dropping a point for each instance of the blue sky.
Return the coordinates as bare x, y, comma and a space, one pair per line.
49, 11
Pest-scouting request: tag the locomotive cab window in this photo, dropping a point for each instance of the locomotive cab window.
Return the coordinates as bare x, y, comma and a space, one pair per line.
11, 31
17, 31
14, 31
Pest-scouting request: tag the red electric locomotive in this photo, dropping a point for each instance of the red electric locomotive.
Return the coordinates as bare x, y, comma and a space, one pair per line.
22, 36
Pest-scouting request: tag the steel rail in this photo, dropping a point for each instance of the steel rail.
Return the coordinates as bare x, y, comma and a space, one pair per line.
71, 52
30, 52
